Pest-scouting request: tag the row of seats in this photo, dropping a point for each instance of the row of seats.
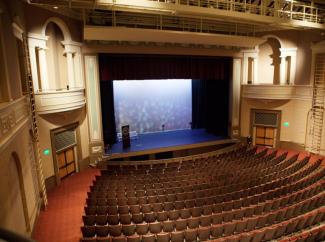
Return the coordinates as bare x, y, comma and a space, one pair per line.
266, 228
256, 194
202, 199
198, 190
221, 212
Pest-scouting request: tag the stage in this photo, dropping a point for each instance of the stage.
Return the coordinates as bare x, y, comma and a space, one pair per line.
167, 144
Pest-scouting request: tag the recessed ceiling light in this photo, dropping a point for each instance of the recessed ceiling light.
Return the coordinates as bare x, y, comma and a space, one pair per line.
55, 7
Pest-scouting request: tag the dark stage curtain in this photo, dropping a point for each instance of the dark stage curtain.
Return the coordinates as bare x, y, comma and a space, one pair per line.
210, 106
108, 114
140, 67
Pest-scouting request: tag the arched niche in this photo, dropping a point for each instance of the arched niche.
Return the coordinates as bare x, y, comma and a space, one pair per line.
55, 57
60, 23
19, 170
269, 61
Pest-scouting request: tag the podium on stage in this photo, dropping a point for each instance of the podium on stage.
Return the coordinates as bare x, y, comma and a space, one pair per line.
126, 136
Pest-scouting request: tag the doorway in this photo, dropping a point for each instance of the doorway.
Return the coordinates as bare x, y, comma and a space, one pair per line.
265, 127
65, 151
66, 162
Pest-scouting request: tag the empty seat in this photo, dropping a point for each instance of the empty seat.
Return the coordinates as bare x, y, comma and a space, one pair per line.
181, 224
101, 231
168, 226
177, 236
101, 219
204, 233
137, 218
148, 238
163, 237
155, 227
142, 228
88, 220
88, 231
125, 218
190, 235
128, 229
115, 230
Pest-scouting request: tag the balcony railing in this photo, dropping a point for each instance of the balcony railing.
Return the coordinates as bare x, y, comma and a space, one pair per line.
283, 9
55, 101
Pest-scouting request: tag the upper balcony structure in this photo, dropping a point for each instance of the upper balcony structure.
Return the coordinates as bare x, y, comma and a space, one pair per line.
56, 63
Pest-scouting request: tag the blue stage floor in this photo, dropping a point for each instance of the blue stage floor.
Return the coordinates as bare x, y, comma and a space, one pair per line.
166, 139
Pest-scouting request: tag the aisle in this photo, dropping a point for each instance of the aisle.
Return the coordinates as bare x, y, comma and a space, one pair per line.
63, 217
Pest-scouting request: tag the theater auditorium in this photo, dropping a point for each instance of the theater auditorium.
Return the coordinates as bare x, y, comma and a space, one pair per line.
162, 120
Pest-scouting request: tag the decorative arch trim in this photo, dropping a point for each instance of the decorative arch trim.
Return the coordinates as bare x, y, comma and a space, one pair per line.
62, 25
271, 36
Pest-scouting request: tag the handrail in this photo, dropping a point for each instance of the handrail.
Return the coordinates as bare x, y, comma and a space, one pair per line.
284, 9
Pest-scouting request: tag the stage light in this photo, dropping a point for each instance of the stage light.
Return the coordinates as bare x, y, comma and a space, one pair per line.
55, 7
286, 124
46, 151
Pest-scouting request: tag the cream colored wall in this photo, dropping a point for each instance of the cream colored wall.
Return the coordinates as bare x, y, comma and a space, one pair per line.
19, 141
302, 40
265, 64
292, 111
56, 61
48, 122
10, 51
11, 212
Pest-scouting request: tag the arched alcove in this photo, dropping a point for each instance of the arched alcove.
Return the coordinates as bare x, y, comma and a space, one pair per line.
22, 189
269, 61
57, 63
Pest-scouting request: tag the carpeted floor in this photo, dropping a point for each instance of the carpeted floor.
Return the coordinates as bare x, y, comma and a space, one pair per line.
62, 219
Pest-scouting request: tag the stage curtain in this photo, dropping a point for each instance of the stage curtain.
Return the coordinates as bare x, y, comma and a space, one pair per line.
139, 67
210, 106
198, 104
108, 114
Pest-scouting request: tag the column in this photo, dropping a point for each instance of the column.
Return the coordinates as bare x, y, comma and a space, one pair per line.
255, 68
71, 79
283, 70
43, 68
236, 76
293, 69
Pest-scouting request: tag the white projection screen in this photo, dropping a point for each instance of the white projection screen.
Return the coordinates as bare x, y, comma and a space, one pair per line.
153, 105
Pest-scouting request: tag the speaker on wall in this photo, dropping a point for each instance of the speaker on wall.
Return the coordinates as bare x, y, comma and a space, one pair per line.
126, 136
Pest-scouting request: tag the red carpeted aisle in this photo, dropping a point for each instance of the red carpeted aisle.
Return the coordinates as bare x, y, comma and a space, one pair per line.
62, 219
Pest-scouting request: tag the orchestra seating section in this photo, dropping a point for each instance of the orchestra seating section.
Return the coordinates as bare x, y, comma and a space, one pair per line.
248, 194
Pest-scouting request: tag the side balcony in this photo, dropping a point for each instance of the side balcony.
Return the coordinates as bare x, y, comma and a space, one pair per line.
56, 101
276, 92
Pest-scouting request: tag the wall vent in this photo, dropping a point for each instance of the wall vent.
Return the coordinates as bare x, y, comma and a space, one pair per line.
266, 119
64, 140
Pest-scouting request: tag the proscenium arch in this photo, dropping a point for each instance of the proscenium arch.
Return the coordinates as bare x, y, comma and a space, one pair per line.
61, 24
22, 189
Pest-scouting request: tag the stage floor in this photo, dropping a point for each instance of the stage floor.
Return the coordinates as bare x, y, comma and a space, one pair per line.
153, 141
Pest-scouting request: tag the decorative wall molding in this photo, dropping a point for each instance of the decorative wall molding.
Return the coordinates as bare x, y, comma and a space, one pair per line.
59, 101
13, 117
277, 92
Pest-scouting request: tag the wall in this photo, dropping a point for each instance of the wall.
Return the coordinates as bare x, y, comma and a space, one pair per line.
11, 212
48, 122
293, 111
10, 51
58, 79
15, 137
302, 40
